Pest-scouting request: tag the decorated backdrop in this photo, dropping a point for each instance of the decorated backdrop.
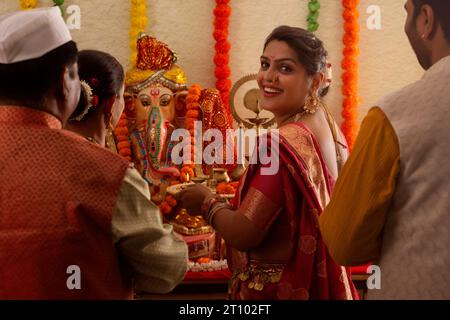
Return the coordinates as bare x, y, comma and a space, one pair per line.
381, 60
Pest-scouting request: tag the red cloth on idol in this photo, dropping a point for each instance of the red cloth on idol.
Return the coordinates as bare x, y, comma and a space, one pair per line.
57, 195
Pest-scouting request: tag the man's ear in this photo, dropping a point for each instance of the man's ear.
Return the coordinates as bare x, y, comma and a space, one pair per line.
429, 22
65, 82
62, 86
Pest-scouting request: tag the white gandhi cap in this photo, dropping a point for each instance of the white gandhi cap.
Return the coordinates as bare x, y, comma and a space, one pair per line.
30, 34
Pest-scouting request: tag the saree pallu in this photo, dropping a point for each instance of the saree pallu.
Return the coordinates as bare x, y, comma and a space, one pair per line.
310, 272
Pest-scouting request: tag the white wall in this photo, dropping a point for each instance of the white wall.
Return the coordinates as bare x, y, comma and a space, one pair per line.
386, 60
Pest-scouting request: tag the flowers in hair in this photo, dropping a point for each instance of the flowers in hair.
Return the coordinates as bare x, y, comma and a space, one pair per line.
91, 98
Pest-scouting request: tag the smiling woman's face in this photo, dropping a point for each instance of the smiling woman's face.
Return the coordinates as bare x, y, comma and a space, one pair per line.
283, 81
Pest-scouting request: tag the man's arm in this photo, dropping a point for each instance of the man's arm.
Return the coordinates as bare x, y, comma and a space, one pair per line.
353, 221
157, 257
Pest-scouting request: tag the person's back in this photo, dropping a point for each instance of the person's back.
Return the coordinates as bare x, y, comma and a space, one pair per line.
390, 205
53, 224
76, 220
415, 256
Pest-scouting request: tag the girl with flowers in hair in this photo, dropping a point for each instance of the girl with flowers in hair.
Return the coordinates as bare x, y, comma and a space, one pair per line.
274, 246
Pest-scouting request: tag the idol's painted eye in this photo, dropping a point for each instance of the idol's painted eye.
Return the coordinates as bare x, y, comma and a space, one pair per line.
145, 100
165, 100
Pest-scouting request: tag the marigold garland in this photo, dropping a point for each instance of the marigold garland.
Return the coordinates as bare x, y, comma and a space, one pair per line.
222, 13
193, 114
122, 138
350, 70
166, 207
28, 4
138, 23
32, 4
313, 15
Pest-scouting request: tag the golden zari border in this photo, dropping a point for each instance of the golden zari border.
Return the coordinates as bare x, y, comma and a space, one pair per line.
302, 144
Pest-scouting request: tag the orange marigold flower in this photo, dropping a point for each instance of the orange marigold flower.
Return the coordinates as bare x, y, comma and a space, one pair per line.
193, 114
123, 144
171, 201
121, 131
165, 208
125, 152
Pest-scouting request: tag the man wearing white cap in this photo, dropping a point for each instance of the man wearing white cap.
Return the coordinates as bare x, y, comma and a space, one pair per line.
69, 210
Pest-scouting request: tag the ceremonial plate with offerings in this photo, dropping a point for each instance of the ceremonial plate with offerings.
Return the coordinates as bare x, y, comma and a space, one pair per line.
189, 225
224, 190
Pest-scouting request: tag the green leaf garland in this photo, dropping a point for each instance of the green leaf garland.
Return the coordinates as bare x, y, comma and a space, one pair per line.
59, 3
313, 15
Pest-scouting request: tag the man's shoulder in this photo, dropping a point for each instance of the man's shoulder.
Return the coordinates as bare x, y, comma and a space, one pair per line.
75, 150
391, 99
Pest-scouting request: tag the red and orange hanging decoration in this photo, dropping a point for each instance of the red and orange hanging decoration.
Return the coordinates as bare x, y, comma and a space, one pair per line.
122, 138
350, 70
193, 114
222, 14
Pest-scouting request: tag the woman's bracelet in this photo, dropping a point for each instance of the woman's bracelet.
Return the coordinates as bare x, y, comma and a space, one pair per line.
207, 203
216, 207
211, 206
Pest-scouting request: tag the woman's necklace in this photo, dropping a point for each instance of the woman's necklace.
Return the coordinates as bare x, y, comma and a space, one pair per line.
293, 118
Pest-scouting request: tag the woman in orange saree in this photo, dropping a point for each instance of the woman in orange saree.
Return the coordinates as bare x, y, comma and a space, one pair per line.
274, 246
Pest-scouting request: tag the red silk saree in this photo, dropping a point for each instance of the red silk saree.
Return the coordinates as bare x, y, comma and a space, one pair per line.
302, 188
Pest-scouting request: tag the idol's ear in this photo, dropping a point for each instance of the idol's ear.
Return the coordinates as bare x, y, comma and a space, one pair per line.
130, 106
180, 100
180, 107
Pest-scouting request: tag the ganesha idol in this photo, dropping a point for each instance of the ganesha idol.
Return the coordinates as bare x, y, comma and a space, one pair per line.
158, 101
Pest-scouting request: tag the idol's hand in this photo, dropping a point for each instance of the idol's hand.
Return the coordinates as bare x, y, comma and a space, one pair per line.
193, 197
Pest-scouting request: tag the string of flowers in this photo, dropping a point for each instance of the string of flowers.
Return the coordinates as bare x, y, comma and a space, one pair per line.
28, 4
350, 70
193, 114
166, 207
313, 15
138, 23
121, 133
222, 13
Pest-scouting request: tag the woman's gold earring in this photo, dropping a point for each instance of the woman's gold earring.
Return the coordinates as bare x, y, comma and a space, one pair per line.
311, 104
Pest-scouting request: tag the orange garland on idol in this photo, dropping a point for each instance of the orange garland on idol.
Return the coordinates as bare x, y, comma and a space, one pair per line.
350, 71
193, 114
123, 142
222, 13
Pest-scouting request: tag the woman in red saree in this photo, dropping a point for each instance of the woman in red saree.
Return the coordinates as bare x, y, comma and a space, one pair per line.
274, 246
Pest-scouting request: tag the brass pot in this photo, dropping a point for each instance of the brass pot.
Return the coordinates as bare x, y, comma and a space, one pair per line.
220, 175
238, 172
